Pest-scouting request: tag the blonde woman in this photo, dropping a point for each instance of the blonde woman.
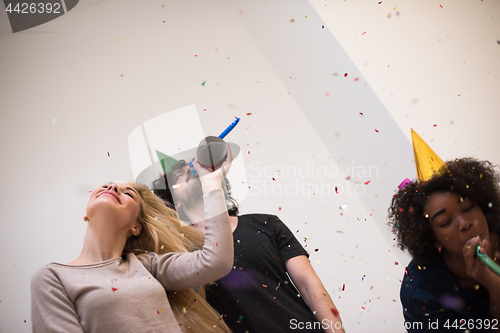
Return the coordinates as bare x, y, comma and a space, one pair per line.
136, 272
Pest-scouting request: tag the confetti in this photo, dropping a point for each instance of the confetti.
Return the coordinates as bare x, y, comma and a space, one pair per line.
440, 6
396, 263
376, 130
380, 2
368, 182
265, 286
434, 125
114, 289
249, 114
292, 20
343, 287
356, 79
361, 113
108, 153
116, 41
195, 55
363, 33
336, 190
279, 208
316, 250
345, 75
203, 84
322, 27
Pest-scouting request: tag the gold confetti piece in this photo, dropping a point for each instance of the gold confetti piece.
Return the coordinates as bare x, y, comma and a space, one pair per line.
161, 309
184, 310
371, 287
394, 8
419, 267
306, 16
116, 41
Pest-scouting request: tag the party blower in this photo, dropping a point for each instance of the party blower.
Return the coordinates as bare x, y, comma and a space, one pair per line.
211, 151
487, 261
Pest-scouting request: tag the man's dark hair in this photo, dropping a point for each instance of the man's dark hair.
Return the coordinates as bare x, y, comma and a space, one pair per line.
476, 180
162, 187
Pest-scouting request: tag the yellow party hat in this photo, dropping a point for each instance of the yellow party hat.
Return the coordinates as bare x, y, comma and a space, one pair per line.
426, 160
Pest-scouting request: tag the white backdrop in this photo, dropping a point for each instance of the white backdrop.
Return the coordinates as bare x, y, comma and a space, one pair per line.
73, 89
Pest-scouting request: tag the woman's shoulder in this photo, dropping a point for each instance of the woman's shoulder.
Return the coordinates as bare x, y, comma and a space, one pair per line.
427, 282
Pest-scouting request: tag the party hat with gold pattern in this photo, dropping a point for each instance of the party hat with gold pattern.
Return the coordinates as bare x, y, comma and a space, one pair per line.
427, 162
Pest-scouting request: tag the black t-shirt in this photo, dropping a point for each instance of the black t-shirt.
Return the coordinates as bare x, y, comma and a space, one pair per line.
257, 296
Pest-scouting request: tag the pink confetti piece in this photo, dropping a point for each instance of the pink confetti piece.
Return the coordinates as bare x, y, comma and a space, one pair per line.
368, 182
440, 6
356, 79
264, 286
279, 208
363, 33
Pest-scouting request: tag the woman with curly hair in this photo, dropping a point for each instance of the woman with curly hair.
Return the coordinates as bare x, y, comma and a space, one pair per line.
440, 222
139, 268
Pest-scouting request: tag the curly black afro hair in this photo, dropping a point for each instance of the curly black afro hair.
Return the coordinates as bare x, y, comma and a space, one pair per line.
468, 177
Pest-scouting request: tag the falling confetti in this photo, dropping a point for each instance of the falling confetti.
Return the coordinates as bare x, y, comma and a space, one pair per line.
316, 250
363, 33
116, 41
435, 125
368, 182
195, 55
279, 208
114, 289
396, 263
292, 20
376, 130
265, 286
361, 113
249, 114
108, 154
345, 75
356, 79
343, 287
440, 6
336, 190
203, 84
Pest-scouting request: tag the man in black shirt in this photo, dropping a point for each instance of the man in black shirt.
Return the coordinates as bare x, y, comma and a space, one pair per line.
258, 295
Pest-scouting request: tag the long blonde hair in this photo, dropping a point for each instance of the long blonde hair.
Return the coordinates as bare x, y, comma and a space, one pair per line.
162, 233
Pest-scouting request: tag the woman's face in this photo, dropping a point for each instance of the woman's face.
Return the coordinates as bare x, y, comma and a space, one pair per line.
454, 220
119, 203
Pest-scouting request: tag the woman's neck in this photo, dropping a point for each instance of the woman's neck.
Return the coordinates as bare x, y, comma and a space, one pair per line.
100, 246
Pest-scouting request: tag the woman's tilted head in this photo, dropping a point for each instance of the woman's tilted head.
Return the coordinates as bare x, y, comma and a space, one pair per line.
117, 205
460, 203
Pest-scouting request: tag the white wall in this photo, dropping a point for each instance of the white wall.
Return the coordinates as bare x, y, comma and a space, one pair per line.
65, 104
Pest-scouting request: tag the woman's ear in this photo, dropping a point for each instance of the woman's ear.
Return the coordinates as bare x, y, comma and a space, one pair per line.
136, 229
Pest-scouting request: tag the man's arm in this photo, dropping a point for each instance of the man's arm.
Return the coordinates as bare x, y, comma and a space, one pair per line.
312, 290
